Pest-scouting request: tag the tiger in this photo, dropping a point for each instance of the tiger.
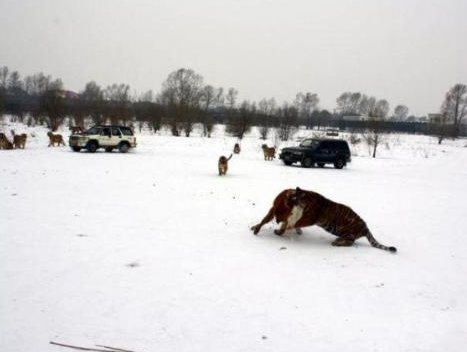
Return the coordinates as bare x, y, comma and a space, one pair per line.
223, 164
236, 149
269, 152
76, 129
55, 139
19, 141
297, 208
4, 142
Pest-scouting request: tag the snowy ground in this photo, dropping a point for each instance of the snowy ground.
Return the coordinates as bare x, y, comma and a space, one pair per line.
152, 251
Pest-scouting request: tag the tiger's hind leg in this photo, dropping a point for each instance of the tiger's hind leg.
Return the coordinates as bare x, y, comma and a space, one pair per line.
345, 241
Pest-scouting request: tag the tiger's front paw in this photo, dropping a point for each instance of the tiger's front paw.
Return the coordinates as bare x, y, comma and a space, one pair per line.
255, 229
279, 232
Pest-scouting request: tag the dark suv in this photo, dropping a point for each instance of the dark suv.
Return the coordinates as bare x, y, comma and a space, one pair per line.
318, 151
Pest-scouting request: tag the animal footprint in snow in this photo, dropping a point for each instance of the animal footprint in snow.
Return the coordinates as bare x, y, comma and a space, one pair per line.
132, 265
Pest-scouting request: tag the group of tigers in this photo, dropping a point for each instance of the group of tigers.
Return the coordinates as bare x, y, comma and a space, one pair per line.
19, 141
297, 208
223, 163
292, 208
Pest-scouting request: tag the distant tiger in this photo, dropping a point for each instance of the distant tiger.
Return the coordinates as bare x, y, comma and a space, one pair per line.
269, 152
76, 129
236, 149
19, 140
55, 139
4, 142
223, 164
297, 208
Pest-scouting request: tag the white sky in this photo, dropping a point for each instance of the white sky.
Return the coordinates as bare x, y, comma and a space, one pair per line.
408, 52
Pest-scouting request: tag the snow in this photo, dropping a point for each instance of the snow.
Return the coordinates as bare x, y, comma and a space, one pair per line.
152, 251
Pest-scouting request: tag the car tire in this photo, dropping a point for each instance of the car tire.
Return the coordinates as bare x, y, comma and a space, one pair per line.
92, 147
109, 149
288, 162
307, 162
321, 165
339, 164
76, 149
123, 147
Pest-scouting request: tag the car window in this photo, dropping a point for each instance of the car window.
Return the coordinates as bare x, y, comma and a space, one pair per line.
343, 145
126, 131
94, 130
309, 143
105, 131
116, 131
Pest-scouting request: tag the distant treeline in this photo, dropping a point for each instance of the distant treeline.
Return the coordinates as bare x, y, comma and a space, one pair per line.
185, 100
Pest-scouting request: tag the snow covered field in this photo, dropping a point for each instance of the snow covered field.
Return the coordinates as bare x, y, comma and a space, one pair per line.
152, 251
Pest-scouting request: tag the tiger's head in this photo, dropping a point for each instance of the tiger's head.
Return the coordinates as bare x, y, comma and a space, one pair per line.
297, 197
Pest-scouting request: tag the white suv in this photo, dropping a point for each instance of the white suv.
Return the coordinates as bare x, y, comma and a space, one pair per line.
105, 136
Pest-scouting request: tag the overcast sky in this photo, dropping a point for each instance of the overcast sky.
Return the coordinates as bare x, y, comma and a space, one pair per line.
406, 51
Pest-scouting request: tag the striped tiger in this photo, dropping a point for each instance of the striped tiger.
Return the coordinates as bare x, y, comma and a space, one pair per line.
297, 208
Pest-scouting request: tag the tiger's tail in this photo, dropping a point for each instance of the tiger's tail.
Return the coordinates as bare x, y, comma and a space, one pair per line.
230, 157
376, 244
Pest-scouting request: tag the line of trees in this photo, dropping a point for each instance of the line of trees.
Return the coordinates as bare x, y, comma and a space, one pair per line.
184, 100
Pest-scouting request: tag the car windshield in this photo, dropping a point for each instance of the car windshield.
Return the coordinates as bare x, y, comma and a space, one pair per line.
309, 143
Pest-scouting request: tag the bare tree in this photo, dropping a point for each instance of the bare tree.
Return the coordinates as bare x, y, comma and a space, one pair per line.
37, 84
306, 104
15, 90
377, 112
351, 103
401, 112
146, 109
182, 92
454, 106
240, 123
3, 87
2, 103
4, 74
52, 104
321, 117
442, 127
266, 110
118, 101
147, 96
231, 100
208, 98
220, 99
92, 98
288, 120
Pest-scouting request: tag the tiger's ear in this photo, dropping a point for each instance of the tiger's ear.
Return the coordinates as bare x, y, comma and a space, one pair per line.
298, 189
